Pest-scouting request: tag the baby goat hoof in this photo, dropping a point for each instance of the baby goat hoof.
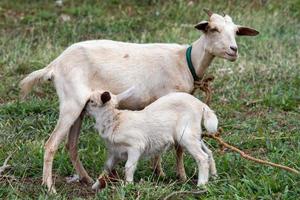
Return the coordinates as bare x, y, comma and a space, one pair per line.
99, 184
96, 185
214, 176
159, 172
202, 186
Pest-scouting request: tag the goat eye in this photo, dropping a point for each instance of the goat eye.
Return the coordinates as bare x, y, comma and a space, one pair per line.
91, 101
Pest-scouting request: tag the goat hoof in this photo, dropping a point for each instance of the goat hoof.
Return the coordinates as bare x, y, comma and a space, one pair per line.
73, 178
50, 187
52, 190
86, 180
76, 179
214, 176
182, 178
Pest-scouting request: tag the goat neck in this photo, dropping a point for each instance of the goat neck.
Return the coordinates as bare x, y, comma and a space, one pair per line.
201, 57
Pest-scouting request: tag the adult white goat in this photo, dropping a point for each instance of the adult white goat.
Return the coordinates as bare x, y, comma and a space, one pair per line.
156, 70
172, 119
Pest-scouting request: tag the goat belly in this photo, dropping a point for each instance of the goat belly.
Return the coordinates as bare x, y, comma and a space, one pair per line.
119, 150
156, 148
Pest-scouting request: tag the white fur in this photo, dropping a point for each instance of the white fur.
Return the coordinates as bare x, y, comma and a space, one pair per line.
172, 119
155, 69
210, 120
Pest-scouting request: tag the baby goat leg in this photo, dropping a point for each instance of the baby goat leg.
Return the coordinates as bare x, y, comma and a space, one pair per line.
156, 166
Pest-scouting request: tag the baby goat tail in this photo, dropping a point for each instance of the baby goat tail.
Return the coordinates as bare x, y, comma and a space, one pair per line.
34, 78
210, 120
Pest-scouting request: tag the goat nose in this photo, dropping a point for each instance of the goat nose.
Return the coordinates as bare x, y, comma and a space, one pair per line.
234, 48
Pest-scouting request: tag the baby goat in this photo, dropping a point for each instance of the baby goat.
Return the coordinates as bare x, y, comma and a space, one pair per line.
172, 119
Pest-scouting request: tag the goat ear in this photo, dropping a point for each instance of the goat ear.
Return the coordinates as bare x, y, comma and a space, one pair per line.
105, 97
126, 94
246, 31
202, 26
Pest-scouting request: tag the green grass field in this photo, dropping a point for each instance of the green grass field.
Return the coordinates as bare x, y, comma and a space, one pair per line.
257, 98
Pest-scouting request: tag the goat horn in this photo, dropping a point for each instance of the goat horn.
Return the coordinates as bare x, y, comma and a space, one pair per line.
223, 14
209, 13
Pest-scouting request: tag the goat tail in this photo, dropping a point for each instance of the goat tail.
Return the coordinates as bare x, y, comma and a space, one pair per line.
34, 78
210, 120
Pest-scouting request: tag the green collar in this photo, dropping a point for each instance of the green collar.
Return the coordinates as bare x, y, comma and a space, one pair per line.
190, 64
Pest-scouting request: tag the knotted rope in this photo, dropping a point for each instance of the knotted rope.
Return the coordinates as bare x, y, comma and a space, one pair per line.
204, 85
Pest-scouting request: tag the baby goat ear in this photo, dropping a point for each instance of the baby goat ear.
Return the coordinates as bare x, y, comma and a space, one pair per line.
202, 26
242, 30
105, 97
126, 94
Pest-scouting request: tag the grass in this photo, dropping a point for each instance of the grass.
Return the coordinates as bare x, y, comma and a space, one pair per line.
257, 98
